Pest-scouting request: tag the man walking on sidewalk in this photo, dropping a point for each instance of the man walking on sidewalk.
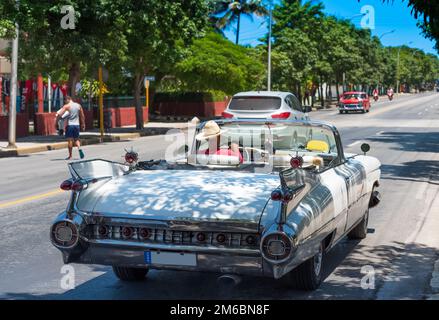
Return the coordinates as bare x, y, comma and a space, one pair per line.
76, 122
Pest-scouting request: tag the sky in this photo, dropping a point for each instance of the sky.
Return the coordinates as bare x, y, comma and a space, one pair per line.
388, 17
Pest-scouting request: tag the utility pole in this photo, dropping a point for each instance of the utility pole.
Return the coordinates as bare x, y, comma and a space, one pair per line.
397, 71
269, 46
101, 103
49, 93
12, 132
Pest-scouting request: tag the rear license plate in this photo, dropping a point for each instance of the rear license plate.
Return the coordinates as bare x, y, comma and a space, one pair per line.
171, 258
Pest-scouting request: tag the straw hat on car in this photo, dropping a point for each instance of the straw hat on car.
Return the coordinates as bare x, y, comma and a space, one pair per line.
210, 130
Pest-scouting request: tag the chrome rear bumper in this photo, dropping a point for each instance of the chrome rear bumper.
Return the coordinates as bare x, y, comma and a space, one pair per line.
207, 260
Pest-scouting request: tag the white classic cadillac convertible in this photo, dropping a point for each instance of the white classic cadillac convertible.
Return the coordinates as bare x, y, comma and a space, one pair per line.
253, 197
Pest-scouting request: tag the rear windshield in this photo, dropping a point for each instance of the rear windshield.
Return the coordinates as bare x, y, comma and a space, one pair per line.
255, 103
354, 96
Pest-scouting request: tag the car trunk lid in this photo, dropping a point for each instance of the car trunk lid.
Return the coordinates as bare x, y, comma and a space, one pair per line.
203, 195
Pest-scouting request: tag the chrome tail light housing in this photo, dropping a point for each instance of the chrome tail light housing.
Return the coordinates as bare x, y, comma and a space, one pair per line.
65, 234
276, 247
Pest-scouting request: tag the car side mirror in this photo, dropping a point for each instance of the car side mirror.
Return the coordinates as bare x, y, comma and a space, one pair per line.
365, 147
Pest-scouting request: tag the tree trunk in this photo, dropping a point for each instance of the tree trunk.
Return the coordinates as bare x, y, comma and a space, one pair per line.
137, 102
337, 89
74, 75
330, 91
237, 28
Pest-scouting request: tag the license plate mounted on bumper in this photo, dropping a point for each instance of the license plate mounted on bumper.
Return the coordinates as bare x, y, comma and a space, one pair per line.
170, 258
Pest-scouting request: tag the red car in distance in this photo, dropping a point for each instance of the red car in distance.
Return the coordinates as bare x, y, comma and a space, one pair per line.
354, 101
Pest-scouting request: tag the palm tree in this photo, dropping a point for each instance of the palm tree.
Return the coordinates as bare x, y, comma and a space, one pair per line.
228, 12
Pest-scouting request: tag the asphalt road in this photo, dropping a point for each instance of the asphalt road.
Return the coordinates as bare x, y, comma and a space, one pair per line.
398, 253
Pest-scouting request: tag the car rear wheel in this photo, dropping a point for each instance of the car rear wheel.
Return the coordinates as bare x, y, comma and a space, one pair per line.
341, 111
307, 276
130, 274
360, 231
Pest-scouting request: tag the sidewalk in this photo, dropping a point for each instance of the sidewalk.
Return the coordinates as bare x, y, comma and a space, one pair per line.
34, 144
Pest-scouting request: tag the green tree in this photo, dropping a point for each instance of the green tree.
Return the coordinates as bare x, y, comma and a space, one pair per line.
295, 43
156, 33
227, 13
214, 63
45, 47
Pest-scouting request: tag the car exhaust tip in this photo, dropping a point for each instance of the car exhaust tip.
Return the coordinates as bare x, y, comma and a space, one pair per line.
228, 280
375, 199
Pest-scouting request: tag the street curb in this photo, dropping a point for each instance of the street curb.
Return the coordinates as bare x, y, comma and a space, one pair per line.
84, 141
434, 283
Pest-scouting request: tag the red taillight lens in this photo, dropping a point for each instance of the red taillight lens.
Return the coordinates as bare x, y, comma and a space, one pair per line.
251, 240
227, 115
296, 162
279, 195
283, 115
127, 232
201, 237
131, 157
66, 185
144, 233
288, 196
78, 186
276, 195
221, 238
103, 231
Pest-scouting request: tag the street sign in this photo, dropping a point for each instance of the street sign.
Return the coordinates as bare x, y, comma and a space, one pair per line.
150, 78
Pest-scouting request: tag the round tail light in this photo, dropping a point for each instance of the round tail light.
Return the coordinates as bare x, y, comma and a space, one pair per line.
201, 237
288, 196
131, 157
296, 162
145, 233
250, 240
276, 247
65, 234
103, 231
66, 185
127, 232
221, 238
78, 186
276, 195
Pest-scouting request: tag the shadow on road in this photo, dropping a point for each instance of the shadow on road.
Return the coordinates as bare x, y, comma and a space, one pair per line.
420, 170
416, 171
398, 271
410, 141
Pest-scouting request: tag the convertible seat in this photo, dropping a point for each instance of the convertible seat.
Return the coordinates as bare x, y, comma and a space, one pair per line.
317, 146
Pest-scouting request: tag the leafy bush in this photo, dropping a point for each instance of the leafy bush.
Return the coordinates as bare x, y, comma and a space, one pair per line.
215, 63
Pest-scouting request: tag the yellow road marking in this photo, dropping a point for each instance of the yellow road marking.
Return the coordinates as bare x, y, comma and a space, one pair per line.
31, 198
